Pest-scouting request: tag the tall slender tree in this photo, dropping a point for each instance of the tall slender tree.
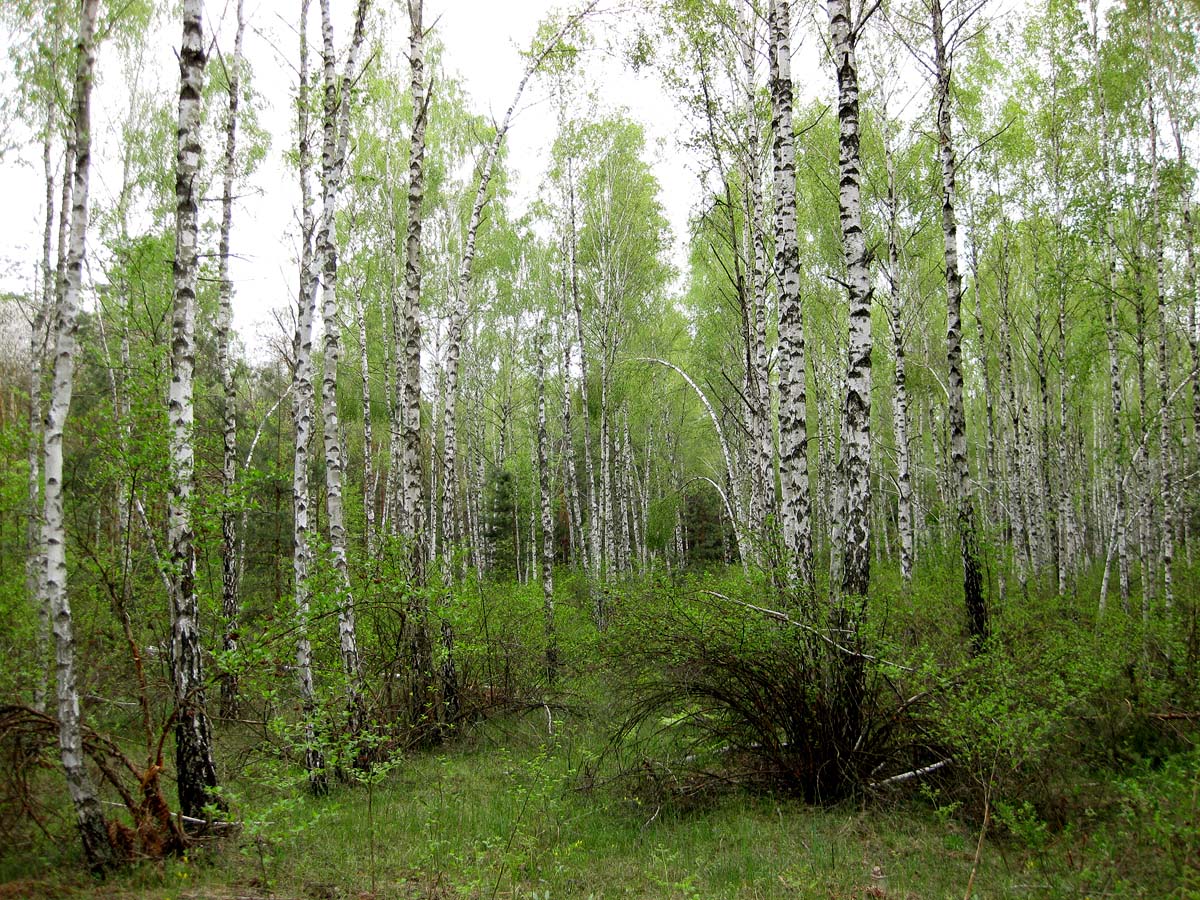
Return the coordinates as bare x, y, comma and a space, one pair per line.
88, 815
230, 604
197, 774
796, 510
960, 475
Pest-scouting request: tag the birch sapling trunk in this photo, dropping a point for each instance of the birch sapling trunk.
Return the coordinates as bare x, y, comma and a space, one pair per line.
547, 512
39, 337
856, 413
575, 507
197, 774
1146, 507
755, 394
89, 817
796, 512
977, 614
904, 504
229, 545
1191, 279
303, 401
1017, 526
370, 477
335, 130
592, 527
1165, 462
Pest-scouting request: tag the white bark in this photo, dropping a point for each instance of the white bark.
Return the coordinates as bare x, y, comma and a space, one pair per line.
302, 411
410, 357
900, 415
197, 775
370, 477
225, 364
88, 815
796, 506
977, 616
335, 128
856, 413
547, 514
39, 336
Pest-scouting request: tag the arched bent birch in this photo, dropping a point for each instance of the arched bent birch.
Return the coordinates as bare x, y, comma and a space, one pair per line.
88, 816
197, 774
738, 525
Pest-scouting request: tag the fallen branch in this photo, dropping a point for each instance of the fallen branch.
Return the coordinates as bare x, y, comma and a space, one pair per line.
908, 776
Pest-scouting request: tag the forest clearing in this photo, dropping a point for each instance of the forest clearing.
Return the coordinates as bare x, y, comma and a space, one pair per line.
773, 474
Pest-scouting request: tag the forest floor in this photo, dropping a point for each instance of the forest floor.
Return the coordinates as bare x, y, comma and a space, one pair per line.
515, 815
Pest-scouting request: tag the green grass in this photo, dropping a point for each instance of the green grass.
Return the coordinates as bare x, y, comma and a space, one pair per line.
510, 816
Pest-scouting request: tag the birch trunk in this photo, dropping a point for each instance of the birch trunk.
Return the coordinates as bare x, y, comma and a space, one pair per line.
336, 126
856, 413
977, 614
592, 527
1165, 462
1191, 280
419, 640
547, 511
370, 478
904, 505
410, 358
607, 544
302, 408
229, 546
39, 337
1018, 527
796, 511
88, 815
575, 507
197, 775
755, 393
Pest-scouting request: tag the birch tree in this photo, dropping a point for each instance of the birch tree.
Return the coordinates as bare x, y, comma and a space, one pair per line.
796, 511
977, 614
197, 774
89, 817
303, 400
856, 413
335, 131
225, 364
